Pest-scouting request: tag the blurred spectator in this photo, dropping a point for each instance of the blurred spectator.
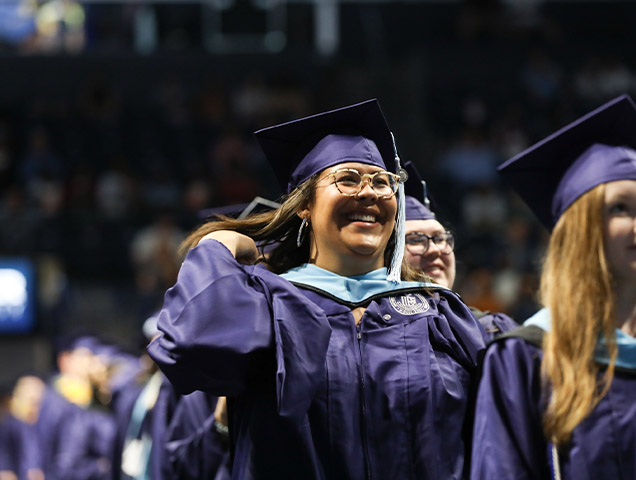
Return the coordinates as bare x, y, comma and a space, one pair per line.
541, 79
154, 254
251, 99
115, 189
232, 167
7, 160
469, 160
197, 196
213, 103
60, 26
483, 209
19, 454
477, 291
161, 189
19, 221
510, 134
40, 162
600, 78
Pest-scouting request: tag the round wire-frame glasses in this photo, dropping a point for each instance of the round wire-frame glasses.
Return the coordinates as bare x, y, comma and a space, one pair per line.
350, 182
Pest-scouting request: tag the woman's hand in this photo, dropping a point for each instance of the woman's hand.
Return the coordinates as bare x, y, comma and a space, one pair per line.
241, 246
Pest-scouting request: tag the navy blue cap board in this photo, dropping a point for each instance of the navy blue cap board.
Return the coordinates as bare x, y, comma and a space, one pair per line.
241, 210
594, 149
417, 202
299, 149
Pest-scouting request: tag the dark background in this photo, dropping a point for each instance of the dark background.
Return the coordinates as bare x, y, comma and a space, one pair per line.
120, 121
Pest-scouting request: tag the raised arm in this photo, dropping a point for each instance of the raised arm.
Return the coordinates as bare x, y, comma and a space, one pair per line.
213, 319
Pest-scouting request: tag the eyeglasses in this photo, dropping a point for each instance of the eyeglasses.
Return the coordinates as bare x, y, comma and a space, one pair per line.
350, 182
418, 243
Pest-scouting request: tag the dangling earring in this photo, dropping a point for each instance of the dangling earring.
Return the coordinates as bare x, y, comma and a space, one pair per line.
301, 232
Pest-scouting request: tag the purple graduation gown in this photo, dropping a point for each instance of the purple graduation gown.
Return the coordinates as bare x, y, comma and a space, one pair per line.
508, 440
19, 451
494, 323
153, 423
56, 420
310, 394
122, 408
194, 447
86, 451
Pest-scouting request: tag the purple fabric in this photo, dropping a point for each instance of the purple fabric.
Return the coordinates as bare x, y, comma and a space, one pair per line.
19, 449
310, 395
508, 440
86, 450
194, 448
298, 149
89, 342
598, 164
56, 420
494, 323
415, 210
598, 147
153, 424
160, 419
122, 409
332, 150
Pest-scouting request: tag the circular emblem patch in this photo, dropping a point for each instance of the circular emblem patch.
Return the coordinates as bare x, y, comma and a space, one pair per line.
410, 304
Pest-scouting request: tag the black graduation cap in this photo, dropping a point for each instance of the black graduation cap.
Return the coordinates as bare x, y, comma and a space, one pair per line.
298, 149
597, 148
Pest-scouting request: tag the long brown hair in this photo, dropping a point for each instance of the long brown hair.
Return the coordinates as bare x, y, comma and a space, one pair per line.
576, 285
280, 227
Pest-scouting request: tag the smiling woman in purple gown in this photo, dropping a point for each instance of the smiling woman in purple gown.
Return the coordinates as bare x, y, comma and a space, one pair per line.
558, 397
338, 360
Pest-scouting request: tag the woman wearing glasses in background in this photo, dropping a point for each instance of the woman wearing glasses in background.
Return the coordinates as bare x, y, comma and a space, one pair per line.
337, 358
430, 248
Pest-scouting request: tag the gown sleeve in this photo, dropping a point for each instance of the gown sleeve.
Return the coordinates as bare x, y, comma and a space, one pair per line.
494, 323
470, 337
508, 441
194, 448
221, 317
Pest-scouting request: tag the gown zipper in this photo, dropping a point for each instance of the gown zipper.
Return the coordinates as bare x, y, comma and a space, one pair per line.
363, 421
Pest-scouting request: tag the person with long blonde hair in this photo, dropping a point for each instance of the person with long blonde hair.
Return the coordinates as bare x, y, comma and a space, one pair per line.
558, 397
337, 360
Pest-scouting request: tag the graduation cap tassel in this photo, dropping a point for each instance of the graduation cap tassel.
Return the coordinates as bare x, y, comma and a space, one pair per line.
394, 273
427, 202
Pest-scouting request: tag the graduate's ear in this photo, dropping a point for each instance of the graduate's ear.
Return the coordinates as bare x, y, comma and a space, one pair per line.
304, 212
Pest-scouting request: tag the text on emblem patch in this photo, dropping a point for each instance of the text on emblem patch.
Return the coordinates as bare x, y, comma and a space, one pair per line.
409, 304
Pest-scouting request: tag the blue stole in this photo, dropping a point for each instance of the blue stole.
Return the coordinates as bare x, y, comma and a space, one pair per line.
626, 344
355, 289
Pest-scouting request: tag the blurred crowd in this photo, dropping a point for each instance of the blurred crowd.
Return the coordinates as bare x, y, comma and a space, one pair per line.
102, 184
103, 189
106, 413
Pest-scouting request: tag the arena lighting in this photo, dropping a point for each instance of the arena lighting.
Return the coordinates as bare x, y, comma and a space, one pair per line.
17, 296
